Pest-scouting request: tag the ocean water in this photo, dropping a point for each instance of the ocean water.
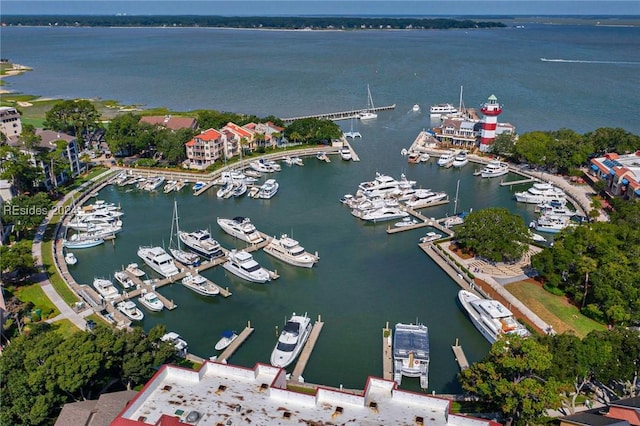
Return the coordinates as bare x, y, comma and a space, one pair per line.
365, 277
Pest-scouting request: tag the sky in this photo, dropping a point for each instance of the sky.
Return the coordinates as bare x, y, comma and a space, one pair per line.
319, 7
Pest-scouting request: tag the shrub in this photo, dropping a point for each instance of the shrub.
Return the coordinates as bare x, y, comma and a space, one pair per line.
553, 290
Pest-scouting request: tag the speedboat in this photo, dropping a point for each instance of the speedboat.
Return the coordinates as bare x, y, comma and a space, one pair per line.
415, 108
411, 353
239, 189
227, 337
243, 265
446, 159
178, 342
290, 251
490, 317
198, 186
135, 270
407, 221
226, 190
70, 258
123, 278
105, 288
430, 236
494, 168
149, 300
130, 310
345, 153
268, 189
241, 228
201, 242
200, 285
460, 160
540, 193
292, 338
158, 260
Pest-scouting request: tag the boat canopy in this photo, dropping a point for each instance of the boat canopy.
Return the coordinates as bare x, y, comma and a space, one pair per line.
228, 333
292, 327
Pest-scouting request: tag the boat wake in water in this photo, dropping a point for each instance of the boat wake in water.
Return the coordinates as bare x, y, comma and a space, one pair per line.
578, 61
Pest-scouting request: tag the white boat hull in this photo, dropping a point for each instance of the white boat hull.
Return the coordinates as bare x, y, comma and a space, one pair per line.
283, 354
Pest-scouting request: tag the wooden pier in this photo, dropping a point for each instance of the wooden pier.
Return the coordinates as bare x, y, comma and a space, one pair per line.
204, 188
424, 222
342, 115
461, 358
387, 353
224, 356
519, 182
306, 351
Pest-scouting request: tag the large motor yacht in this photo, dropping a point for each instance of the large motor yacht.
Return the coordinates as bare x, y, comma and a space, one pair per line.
411, 353
158, 260
200, 242
291, 340
241, 228
290, 251
243, 265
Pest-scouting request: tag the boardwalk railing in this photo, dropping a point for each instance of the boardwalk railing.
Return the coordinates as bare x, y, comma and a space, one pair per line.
342, 115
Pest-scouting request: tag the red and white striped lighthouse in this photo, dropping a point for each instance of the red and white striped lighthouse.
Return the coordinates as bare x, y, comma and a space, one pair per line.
491, 110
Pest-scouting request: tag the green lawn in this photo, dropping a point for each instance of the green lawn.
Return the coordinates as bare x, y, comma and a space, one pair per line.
33, 293
65, 327
555, 310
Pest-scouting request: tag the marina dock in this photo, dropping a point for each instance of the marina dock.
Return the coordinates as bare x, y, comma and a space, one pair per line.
306, 351
424, 222
224, 356
342, 115
461, 358
519, 182
387, 353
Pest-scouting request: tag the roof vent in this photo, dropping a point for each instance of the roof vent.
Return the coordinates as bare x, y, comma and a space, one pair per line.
286, 415
193, 416
419, 421
374, 406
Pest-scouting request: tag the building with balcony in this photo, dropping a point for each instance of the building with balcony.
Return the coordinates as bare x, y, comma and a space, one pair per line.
620, 172
204, 149
10, 123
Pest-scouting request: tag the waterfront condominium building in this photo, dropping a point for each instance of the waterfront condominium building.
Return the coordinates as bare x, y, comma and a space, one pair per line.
224, 394
204, 149
621, 173
10, 123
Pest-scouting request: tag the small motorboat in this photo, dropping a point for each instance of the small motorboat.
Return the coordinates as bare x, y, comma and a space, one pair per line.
407, 221
226, 338
70, 258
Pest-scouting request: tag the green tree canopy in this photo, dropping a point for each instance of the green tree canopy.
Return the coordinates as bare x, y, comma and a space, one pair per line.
511, 379
313, 130
18, 259
26, 212
495, 234
72, 116
17, 167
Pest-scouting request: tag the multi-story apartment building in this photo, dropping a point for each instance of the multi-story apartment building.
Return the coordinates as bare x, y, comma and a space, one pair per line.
10, 123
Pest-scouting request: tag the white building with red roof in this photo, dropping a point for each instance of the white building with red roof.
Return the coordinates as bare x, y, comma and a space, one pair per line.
237, 138
204, 149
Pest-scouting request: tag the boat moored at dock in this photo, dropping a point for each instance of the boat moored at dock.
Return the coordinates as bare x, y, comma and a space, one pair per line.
149, 300
158, 260
241, 228
494, 168
290, 251
292, 338
200, 242
411, 353
242, 264
130, 310
105, 288
200, 285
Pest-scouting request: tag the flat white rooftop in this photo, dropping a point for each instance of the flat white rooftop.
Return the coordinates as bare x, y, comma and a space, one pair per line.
223, 394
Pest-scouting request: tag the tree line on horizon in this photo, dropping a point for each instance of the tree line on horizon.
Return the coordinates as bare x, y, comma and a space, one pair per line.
271, 22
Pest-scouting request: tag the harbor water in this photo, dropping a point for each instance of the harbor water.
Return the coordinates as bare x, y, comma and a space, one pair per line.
365, 277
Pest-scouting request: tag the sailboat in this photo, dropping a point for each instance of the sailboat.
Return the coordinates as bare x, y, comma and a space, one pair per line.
369, 113
185, 257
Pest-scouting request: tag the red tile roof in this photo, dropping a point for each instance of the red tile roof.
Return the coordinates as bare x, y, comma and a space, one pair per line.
170, 122
208, 135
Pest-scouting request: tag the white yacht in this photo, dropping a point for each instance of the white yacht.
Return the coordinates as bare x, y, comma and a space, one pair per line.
292, 338
425, 199
460, 160
551, 224
494, 168
540, 193
290, 251
407, 221
345, 153
200, 285
415, 108
442, 109
226, 190
135, 270
178, 342
430, 236
243, 265
381, 185
381, 214
130, 310
268, 189
241, 228
411, 353
149, 300
446, 159
105, 288
201, 243
158, 260
490, 317
78, 242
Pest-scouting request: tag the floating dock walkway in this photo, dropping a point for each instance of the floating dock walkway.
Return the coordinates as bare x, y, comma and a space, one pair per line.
519, 182
461, 358
424, 222
224, 356
306, 351
387, 353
